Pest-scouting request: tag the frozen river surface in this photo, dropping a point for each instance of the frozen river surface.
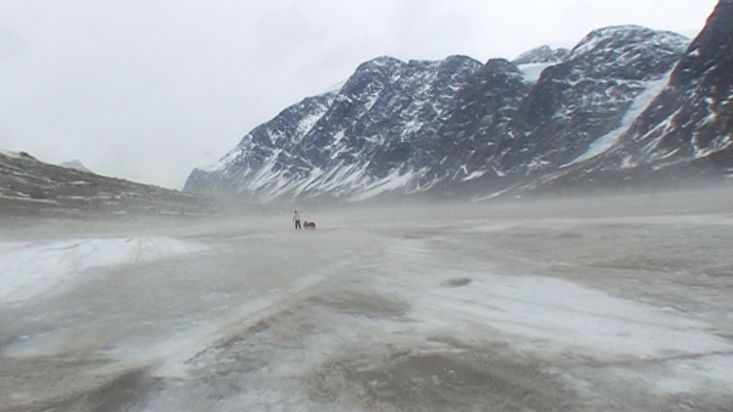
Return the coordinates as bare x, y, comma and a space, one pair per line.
616, 304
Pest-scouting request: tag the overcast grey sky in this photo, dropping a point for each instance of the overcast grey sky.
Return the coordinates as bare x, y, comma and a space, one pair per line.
147, 90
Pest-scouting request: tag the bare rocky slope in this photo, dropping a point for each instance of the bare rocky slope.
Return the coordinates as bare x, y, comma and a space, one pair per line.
29, 186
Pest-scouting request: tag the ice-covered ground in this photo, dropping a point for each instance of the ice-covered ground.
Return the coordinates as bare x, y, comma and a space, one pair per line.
612, 304
28, 269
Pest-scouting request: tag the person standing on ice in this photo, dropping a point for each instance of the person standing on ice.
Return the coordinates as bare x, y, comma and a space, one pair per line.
296, 219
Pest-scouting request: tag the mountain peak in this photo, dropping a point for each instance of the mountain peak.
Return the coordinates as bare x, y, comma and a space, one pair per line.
542, 54
382, 61
627, 36
75, 164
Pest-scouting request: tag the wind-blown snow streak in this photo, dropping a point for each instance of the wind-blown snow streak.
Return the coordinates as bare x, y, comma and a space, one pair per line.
565, 315
30, 269
638, 106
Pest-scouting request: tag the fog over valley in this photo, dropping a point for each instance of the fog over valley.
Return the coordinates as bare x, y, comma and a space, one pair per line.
373, 206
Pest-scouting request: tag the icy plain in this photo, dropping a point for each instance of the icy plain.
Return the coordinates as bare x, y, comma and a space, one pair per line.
622, 303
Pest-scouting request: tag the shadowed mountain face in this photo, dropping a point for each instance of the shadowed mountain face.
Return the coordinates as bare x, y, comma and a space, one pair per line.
693, 116
29, 186
624, 99
580, 100
365, 139
686, 130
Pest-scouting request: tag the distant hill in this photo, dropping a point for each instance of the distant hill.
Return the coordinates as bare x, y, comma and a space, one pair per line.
29, 186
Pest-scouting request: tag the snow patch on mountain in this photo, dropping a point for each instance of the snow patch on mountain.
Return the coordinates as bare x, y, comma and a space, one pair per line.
75, 165
637, 107
532, 72
307, 123
474, 175
393, 181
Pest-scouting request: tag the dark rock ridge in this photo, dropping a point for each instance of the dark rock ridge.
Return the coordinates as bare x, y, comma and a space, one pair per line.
625, 98
31, 187
466, 144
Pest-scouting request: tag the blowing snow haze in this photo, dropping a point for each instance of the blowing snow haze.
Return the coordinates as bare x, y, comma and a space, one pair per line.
548, 231
148, 91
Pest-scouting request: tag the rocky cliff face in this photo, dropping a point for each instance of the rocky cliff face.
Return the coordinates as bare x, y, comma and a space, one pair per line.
359, 142
692, 119
464, 148
267, 150
575, 103
684, 131
623, 97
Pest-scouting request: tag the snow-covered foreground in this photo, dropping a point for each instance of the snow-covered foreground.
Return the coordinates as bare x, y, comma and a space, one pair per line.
518, 307
31, 268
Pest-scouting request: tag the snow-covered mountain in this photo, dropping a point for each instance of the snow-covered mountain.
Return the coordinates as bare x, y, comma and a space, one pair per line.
542, 55
359, 142
681, 129
605, 80
535, 61
457, 127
